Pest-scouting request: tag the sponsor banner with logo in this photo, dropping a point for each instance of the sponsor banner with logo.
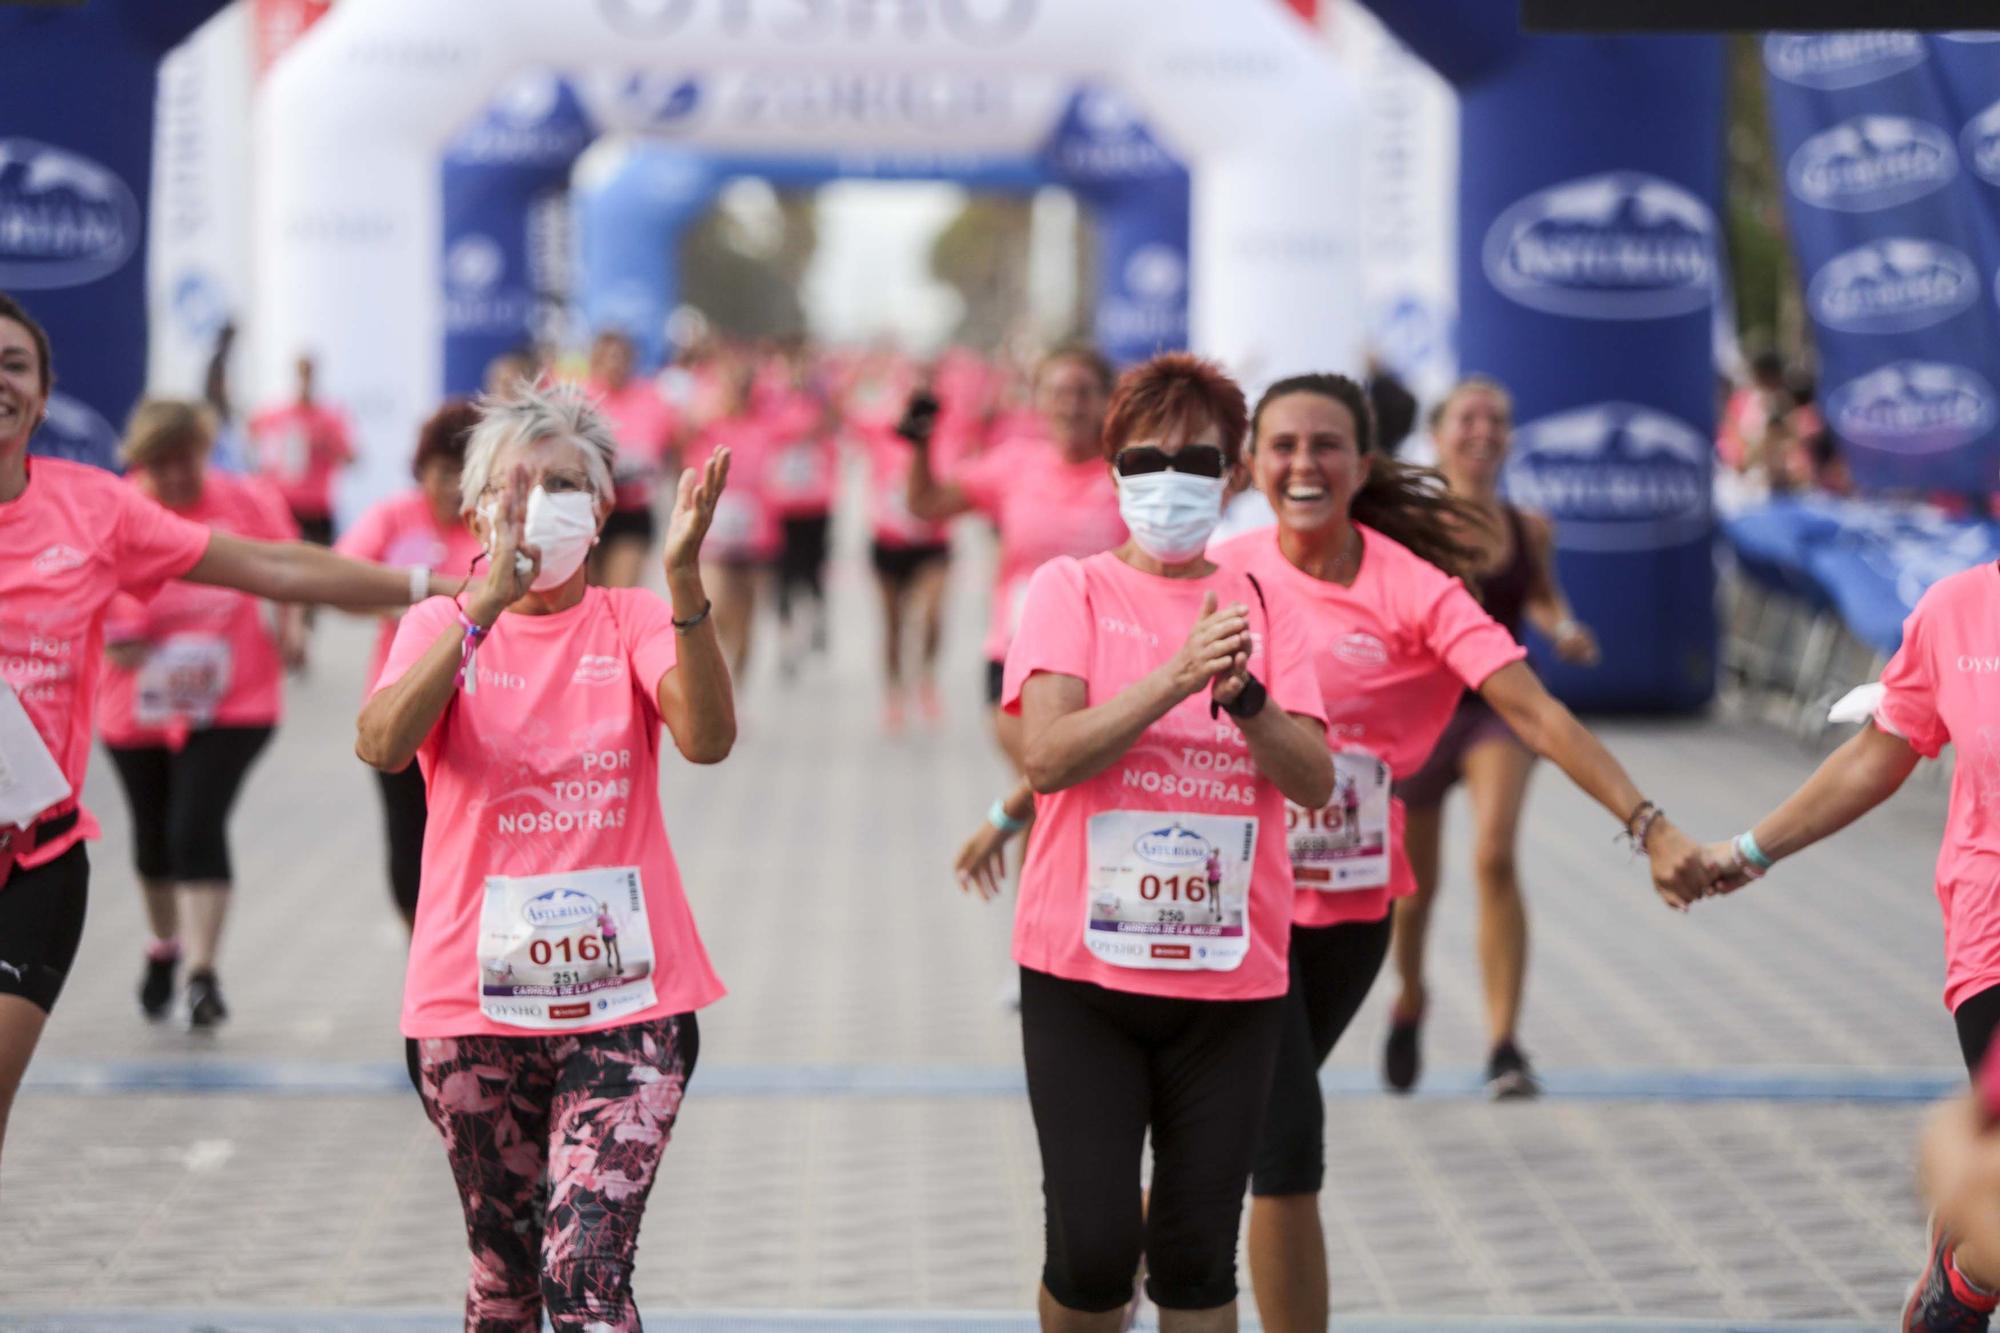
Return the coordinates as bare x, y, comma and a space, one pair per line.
1890, 143
75, 190
506, 223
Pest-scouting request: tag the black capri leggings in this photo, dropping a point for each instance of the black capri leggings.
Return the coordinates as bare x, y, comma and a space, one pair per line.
405, 811
41, 924
1976, 1018
802, 559
1332, 969
1105, 1066
181, 799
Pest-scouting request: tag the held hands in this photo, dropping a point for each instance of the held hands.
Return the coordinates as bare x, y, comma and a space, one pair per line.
694, 510
1685, 872
1217, 651
505, 583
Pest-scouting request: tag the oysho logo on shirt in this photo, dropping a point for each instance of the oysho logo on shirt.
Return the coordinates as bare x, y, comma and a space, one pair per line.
1362, 649
1894, 285
1978, 666
1113, 625
502, 680
59, 559
1870, 162
595, 670
1834, 60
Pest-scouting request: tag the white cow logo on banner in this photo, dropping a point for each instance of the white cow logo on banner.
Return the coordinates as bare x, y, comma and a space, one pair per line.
1835, 60
64, 219
1870, 162
1620, 245
1894, 285
1913, 407
1616, 477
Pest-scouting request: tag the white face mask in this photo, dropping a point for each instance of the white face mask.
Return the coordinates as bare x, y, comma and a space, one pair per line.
1171, 515
562, 527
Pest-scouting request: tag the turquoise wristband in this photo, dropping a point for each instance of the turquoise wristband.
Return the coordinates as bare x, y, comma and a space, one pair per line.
1746, 846
998, 817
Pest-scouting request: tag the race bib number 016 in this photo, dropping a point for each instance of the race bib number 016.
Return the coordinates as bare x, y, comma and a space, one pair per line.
567, 950
1170, 891
1344, 847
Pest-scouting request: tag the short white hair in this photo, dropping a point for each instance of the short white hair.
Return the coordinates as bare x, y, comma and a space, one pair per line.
528, 413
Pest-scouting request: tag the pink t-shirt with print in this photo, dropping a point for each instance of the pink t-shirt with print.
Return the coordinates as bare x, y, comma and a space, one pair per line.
889, 460
403, 532
552, 764
1943, 688
643, 422
1393, 655
745, 526
803, 468
212, 653
75, 539
298, 448
1107, 624
1043, 506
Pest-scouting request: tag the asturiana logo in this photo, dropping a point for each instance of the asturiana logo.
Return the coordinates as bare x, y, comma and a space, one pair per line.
1894, 285
1617, 476
559, 908
1619, 245
1981, 141
1913, 407
1834, 60
1870, 162
1173, 846
64, 219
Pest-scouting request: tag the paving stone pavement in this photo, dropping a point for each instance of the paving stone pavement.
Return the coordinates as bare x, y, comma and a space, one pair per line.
817, 859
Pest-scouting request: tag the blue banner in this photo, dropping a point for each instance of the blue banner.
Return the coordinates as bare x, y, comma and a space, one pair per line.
506, 224
1890, 144
1589, 190
76, 166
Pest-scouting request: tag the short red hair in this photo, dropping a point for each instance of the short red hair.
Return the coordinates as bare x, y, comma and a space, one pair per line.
1176, 391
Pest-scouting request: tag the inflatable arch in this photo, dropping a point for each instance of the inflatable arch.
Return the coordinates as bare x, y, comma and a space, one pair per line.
354, 121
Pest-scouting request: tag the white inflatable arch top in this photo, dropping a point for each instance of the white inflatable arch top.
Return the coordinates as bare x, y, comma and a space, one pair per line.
353, 121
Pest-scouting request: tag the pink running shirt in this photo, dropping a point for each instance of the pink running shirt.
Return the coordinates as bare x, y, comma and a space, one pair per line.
1393, 655
1044, 506
552, 764
644, 423
889, 459
76, 538
210, 628
745, 526
402, 532
298, 447
804, 465
1108, 624
1943, 688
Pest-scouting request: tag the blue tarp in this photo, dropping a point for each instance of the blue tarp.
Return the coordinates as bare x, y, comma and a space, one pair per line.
1868, 560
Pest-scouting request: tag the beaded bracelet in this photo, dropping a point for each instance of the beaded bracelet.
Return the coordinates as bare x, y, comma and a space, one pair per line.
468, 677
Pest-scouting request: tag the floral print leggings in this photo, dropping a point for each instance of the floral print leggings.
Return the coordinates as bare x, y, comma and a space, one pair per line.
554, 1142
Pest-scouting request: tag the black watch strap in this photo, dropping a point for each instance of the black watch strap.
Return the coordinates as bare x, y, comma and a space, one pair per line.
1247, 704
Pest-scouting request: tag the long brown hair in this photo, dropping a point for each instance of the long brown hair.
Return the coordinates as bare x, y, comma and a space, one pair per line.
1409, 504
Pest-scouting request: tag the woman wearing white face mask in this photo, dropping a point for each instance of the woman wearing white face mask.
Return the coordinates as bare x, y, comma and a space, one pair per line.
1165, 718
554, 967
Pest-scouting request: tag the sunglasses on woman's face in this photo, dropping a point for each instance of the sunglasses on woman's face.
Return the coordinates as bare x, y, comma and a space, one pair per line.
1200, 460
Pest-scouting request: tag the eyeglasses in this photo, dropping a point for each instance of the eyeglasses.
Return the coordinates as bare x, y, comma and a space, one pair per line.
1200, 460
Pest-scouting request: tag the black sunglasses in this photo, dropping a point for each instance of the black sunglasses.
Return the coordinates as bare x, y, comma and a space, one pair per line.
1200, 460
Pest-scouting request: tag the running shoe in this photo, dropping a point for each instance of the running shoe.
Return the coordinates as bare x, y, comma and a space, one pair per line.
1936, 1304
156, 986
204, 997
1509, 1076
1402, 1055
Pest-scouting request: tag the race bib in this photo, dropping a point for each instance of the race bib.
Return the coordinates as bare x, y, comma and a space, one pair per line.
567, 950
30, 778
1344, 847
184, 678
1170, 891
798, 468
735, 519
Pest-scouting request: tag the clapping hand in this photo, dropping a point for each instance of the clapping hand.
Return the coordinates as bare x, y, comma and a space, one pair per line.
507, 578
1217, 651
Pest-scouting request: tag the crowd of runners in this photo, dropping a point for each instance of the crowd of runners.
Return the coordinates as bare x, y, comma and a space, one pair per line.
1230, 754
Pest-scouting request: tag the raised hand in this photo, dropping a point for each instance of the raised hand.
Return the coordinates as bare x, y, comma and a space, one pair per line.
507, 578
694, 510
1217, 646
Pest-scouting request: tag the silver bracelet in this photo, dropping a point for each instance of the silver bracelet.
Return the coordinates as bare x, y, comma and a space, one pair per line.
694, 621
